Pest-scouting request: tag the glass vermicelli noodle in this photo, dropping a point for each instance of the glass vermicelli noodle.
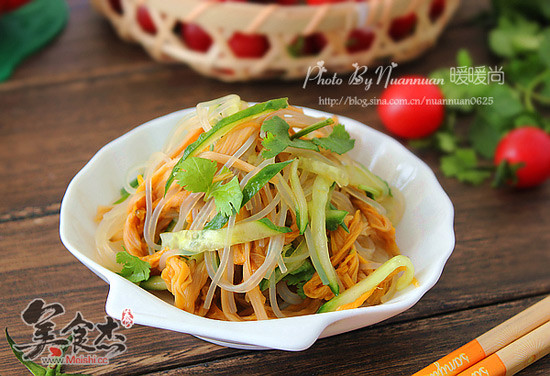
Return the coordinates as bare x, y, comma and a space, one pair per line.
256, 211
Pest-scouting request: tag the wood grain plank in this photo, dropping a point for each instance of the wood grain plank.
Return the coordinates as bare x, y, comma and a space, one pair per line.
89, 48
37, 265
174, 349
399, 349
48, 133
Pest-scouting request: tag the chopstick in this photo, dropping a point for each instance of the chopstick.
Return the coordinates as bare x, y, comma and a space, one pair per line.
516, 356
496, 340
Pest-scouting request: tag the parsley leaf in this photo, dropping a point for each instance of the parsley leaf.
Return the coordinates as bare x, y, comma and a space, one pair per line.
463, 165
195, 174
134, 269
338, 141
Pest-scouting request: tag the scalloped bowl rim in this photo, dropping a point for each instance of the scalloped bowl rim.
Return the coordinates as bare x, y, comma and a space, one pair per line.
292, 333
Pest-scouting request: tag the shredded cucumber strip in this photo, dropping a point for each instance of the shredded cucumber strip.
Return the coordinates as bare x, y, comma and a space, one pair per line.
362, 178
329, 172
301, 203
316, 235
372, 281
192, 242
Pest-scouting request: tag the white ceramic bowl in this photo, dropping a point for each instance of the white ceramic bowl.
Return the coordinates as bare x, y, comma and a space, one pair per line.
425, 234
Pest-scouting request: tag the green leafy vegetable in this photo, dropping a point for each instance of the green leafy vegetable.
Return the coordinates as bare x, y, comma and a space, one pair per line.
338, 141
277, 138
134, 269
197, 175
520, 36
463, 165
252, 187
224, 126
38, 370
300, 276
228, 197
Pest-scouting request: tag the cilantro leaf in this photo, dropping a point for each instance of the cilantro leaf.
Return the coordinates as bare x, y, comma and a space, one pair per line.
463, 165
446, 141
134, 269
195, 174
514, 36
252, 187
484, 136
228, 197
338, 141
278, 139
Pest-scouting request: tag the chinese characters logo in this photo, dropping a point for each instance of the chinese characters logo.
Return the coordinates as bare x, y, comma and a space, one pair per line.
78, 342
481, 75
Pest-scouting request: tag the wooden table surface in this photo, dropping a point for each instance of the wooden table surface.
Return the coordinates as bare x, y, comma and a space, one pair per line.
88, 87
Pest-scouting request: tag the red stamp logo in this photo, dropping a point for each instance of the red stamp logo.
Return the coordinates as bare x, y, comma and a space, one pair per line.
127, 320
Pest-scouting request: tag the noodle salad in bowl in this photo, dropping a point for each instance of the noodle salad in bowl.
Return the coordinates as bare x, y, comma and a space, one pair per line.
255, 212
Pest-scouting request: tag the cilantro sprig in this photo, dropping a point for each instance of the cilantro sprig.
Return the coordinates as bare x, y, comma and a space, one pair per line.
520, 40
197, 175
277, 138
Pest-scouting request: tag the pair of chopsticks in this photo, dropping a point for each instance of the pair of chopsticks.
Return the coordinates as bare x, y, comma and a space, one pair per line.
502, 351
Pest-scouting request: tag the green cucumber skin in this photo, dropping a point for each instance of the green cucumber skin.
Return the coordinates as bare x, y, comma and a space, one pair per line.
378, 275
191, 242
301, 203
154, 283
317, 212
291, 267
259, 180
335, 218
230, 122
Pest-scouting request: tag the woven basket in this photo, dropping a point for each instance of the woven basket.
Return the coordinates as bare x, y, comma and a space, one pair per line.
282, 26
